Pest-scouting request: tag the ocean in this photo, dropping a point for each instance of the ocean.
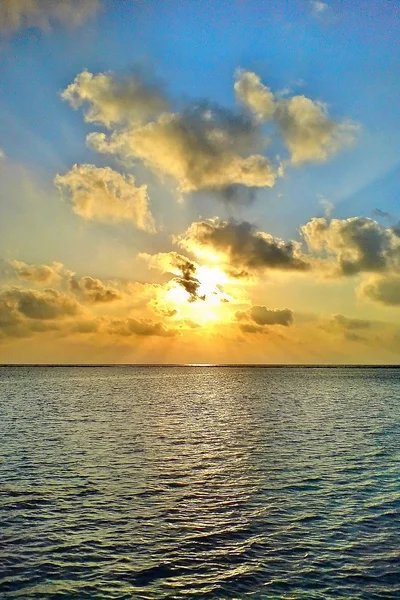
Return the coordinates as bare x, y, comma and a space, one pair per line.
199, 483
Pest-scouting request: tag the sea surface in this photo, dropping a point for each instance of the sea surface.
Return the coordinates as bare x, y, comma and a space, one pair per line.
199, 482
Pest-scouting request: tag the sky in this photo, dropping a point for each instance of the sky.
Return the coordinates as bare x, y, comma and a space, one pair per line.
199, 182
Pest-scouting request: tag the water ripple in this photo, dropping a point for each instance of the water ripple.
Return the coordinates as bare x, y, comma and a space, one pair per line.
200, 483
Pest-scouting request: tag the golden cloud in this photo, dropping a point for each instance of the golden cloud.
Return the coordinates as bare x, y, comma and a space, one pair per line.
37, 273
304, 124
102, 194
94, 290
111, 101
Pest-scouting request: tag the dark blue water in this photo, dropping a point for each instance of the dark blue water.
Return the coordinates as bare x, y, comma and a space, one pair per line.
150, 483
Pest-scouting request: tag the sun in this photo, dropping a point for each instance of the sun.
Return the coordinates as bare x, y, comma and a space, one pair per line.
209, 304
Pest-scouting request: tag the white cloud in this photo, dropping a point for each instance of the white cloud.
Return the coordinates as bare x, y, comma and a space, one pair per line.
319, 7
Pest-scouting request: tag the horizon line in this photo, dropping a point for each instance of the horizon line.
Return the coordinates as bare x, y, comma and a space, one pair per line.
209, 365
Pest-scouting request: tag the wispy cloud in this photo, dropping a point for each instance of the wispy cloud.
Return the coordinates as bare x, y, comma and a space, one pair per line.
19, 14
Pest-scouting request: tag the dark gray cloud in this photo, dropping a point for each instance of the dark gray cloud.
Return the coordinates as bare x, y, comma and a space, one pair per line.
377, 212
395, 223
204, 148
179, 265
246, 249
234, 195
188, 281
45, 305
396, 229
23, 312
358, 244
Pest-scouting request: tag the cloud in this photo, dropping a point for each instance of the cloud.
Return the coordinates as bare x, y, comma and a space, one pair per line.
353, 330
395, 224
377, 212
81, 306
169, 262
322, 12
246, 250
176, 264
130, 326
319, 7
124, 327
250, 328
204, 148
382, 289
254, 95
308, 132
327, 205
94, 290
99, 193
87, 326
348, 323
357, 244
10, 318
85, 288
264, 316
396, 229
36, 273
110, 101
14, 325
2, 153
304, 124
34, 304
18, 14
24, 312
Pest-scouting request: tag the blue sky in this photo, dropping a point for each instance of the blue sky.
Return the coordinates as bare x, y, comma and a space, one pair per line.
344, 54
348, 58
